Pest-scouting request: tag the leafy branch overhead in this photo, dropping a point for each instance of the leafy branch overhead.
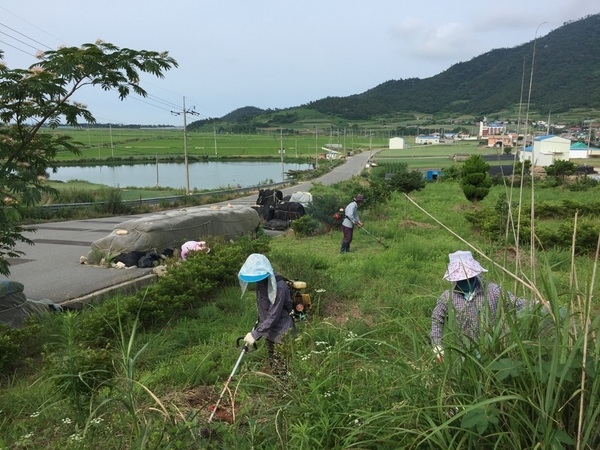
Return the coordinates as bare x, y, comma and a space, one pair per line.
43, 95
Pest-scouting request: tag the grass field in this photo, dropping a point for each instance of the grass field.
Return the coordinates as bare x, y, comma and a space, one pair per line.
102, 143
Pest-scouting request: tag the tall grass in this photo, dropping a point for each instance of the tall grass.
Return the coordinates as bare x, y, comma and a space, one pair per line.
362, 372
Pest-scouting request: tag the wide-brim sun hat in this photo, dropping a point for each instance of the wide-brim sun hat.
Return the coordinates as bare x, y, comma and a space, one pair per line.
257, 268
462, 266
252, 278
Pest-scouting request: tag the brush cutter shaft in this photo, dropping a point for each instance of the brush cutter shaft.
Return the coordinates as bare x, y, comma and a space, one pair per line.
376, 238
239, 360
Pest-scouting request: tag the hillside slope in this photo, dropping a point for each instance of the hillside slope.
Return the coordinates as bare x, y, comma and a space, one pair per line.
566, 75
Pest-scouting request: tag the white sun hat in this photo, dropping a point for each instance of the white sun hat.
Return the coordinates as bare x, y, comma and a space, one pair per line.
462, 266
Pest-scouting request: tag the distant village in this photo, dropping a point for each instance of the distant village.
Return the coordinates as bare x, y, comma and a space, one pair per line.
541, 148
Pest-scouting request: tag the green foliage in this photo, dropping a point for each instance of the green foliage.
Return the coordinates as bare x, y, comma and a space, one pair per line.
475, 180
482, 84
451, 173
76, 369
306, 225
112, 203
408, 182
42, 95
194, 281
324, 205
362, 373
561, 168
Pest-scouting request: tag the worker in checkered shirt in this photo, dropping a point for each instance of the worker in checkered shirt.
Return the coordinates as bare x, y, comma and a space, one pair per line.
473, 300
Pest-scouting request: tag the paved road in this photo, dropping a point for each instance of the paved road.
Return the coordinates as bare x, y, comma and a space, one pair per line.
51, 268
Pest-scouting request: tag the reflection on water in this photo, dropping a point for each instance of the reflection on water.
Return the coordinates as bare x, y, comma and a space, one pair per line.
202, 175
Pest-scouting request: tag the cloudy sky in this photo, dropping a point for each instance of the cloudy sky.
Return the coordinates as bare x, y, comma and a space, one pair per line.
274, 54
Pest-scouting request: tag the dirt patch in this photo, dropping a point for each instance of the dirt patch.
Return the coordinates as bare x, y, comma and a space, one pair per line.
463, 207
198, 401
510, 253
337, 312
411, 224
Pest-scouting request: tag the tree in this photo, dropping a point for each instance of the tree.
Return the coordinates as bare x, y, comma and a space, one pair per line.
475, 180
42, 95
561, 168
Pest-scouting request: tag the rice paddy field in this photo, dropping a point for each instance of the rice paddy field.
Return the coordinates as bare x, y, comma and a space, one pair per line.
125, 143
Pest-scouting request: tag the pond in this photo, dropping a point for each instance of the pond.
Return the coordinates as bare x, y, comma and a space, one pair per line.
202, 175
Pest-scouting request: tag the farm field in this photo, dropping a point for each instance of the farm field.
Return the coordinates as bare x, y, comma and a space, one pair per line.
129, 143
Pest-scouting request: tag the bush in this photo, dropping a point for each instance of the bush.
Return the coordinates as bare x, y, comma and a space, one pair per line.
475, 180
305, 225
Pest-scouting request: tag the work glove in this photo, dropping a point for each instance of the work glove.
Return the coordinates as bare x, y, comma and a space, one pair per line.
439, 352
249, 339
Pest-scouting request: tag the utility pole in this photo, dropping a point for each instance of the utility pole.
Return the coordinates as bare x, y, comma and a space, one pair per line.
316, 147
281, 153
215, 136
112, 148
185, 112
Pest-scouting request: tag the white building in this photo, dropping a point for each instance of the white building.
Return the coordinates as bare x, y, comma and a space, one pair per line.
578, 150
396, 143
545, 150
422, 139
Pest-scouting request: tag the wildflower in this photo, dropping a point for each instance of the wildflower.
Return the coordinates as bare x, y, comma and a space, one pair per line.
35, 414
27, 436
76, 437
66, 421
319, 291
97, 420
328, 394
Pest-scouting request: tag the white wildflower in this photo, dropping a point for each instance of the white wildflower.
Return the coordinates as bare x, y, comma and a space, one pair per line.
76, 437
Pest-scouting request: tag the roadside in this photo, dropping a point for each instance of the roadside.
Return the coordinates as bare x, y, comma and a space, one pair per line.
51, 269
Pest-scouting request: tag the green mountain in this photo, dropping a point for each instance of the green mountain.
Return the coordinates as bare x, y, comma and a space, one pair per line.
562, 67
566, 75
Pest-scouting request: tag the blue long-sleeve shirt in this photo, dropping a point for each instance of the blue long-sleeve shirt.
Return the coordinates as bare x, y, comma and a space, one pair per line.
351, 215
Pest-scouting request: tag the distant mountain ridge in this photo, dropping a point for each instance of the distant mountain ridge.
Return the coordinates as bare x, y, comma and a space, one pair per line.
566, 75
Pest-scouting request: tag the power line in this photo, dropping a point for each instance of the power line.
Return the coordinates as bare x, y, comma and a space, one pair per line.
16, 48
35, 26
25, 36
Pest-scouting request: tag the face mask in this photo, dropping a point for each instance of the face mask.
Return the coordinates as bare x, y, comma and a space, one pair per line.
467, 288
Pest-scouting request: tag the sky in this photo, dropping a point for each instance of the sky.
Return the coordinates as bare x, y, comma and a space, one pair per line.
273, 54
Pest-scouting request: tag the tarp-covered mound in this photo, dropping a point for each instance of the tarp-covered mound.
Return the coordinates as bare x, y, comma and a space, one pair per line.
169, 230
16, 307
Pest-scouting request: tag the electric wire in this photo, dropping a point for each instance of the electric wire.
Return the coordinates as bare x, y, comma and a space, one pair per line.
151, 99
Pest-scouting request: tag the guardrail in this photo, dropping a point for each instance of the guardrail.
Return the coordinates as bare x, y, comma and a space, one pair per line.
169, 200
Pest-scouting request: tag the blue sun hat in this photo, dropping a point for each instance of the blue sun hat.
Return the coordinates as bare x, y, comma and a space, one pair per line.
256, 268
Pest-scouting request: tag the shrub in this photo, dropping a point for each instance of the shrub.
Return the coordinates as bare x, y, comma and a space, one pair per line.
305, 225
475, 180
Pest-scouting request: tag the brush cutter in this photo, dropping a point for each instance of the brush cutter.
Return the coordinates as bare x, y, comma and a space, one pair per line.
376, 238
243, 350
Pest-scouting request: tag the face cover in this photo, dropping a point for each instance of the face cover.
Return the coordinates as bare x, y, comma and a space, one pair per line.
467, 287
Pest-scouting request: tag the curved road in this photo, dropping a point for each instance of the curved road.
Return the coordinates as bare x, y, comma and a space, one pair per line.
51, 269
